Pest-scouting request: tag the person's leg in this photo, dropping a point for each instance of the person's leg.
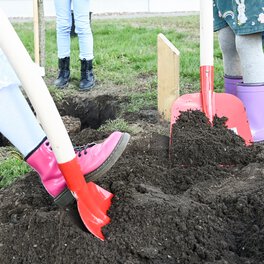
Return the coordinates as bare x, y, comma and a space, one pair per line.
63, 27
251, 55
17, 122
63, 33
251, 91
231, 61
19, 125
81, 10
83, 29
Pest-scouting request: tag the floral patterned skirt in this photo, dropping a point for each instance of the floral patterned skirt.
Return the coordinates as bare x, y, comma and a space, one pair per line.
242, 16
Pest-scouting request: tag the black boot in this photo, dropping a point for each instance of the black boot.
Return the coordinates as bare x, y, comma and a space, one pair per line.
87, 78
64, 73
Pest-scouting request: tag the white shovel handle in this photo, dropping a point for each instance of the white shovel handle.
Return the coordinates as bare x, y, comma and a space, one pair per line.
206, 33
36, 90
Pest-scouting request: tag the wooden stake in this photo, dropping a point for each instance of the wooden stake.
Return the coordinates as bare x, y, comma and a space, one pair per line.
36, 30
168, 76
39, 35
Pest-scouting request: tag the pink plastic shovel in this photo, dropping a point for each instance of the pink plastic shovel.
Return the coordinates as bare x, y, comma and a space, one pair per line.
211, 103
92, 200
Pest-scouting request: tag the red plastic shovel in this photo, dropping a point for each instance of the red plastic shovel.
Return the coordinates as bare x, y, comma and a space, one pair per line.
211, 103
92, 200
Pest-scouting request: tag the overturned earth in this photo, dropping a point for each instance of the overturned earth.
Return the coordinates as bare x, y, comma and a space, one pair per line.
196, 199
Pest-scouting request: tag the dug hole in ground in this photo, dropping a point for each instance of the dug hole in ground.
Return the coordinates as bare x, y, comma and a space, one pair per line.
199, 201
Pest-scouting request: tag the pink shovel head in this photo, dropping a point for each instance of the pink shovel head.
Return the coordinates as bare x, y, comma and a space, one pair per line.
226, 105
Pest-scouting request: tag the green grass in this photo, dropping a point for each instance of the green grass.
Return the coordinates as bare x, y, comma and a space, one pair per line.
138, 100
126, 56
10, 169
126, 49
118, 124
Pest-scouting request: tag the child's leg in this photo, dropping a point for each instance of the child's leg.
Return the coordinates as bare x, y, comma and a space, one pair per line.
251, 91
232, 69
230, 56
17, 122
19, 125
251, 55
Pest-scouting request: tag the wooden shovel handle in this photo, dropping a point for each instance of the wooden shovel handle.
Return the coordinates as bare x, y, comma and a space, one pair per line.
36, 30
206, 58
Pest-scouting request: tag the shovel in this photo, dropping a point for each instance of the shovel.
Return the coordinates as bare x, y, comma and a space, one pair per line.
92, 200
211, 103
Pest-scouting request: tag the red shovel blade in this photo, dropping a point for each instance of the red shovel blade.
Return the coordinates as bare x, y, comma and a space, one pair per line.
92, 200
94, 217
102, 196
226, 105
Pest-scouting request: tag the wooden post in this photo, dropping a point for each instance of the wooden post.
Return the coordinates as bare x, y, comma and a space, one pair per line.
39, 34
168, 76
36, 30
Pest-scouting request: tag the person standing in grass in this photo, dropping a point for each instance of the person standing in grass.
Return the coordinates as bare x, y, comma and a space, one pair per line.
240, 24
81, 10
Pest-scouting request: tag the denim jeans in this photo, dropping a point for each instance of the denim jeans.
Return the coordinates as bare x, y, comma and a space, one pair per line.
81, 9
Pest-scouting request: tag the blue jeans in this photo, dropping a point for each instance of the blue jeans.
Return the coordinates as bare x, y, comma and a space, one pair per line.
81, 9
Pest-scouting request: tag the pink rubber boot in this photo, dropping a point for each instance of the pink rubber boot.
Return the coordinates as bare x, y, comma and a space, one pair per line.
230, 83
252, 96
95, 160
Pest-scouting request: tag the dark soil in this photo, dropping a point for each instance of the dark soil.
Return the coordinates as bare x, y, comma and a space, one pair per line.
198, 201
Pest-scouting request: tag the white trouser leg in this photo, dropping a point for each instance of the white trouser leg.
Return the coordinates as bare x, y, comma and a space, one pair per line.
17, 121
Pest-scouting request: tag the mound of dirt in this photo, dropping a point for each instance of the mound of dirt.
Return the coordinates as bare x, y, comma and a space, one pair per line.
198, 201
197, 142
